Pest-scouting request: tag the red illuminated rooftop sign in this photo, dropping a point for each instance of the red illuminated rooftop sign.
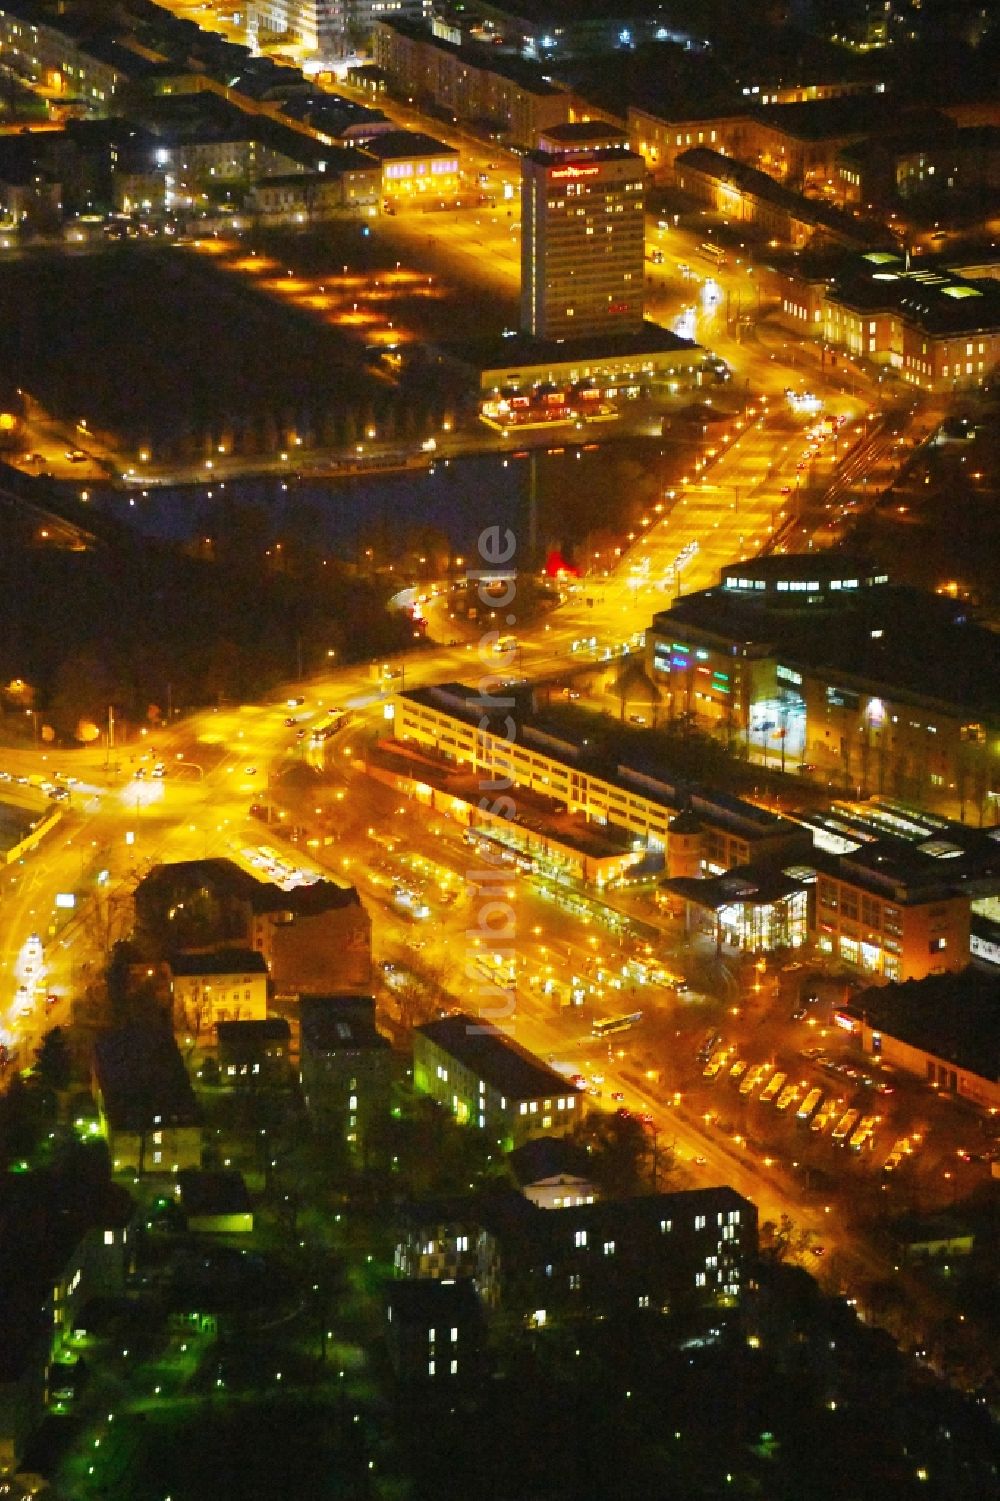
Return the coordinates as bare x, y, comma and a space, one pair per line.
560, 174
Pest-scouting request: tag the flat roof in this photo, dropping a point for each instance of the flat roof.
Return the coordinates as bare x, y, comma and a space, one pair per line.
263, 896
744, 885
577, 132
954, 1016
215, 1191
936, 300
393, 145
526, 75
495, 1057
552, 160
521, 349
891, 640
334, 1024
641, 774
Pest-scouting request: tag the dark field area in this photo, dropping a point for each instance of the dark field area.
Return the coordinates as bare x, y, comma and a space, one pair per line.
165, 349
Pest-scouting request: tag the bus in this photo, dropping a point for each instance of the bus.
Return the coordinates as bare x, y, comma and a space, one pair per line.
808, 1105
713, 252
787, 1097
842, 1130
329, 725
826, 1113
716, 1063
864, 1136
754, 1076
773, 1087
608, 1024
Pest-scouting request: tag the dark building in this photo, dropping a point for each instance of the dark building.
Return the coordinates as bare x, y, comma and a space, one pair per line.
254, 1054
664, 1252
818, 658
63, 1242
435, 1331
943, 1029
145, 1102
313, 938
345, 1067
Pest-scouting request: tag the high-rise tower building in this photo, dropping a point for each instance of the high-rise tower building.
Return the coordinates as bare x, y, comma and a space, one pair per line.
582, 242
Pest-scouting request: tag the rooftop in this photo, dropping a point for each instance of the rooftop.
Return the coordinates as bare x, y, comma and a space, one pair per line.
522, 349
219, 962
527, 75
754, 183
641, 773
142, 1078
495, 1057
938, 301
893, 640
954, 1016
230, 879
432, 1300
332, 1024
271, 1029
744, 885
215, 1192
548, 1157
395, 145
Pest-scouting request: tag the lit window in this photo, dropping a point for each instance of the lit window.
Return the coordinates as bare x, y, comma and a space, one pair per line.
109, 1237
609, 1248
580, 1238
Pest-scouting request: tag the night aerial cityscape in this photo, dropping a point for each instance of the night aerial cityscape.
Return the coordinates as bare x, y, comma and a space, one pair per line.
500, 750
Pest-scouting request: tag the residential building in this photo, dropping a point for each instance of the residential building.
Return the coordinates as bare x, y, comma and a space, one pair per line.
936, 157
487, 1080
435, 1332
221, 985
254, 1054
477, 84
145, 1102
553, 1173
942, 1029
71, 60
582, 243
437, 1239
312, 937
345, 1068
665, 1252
62, 1244
325, 29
